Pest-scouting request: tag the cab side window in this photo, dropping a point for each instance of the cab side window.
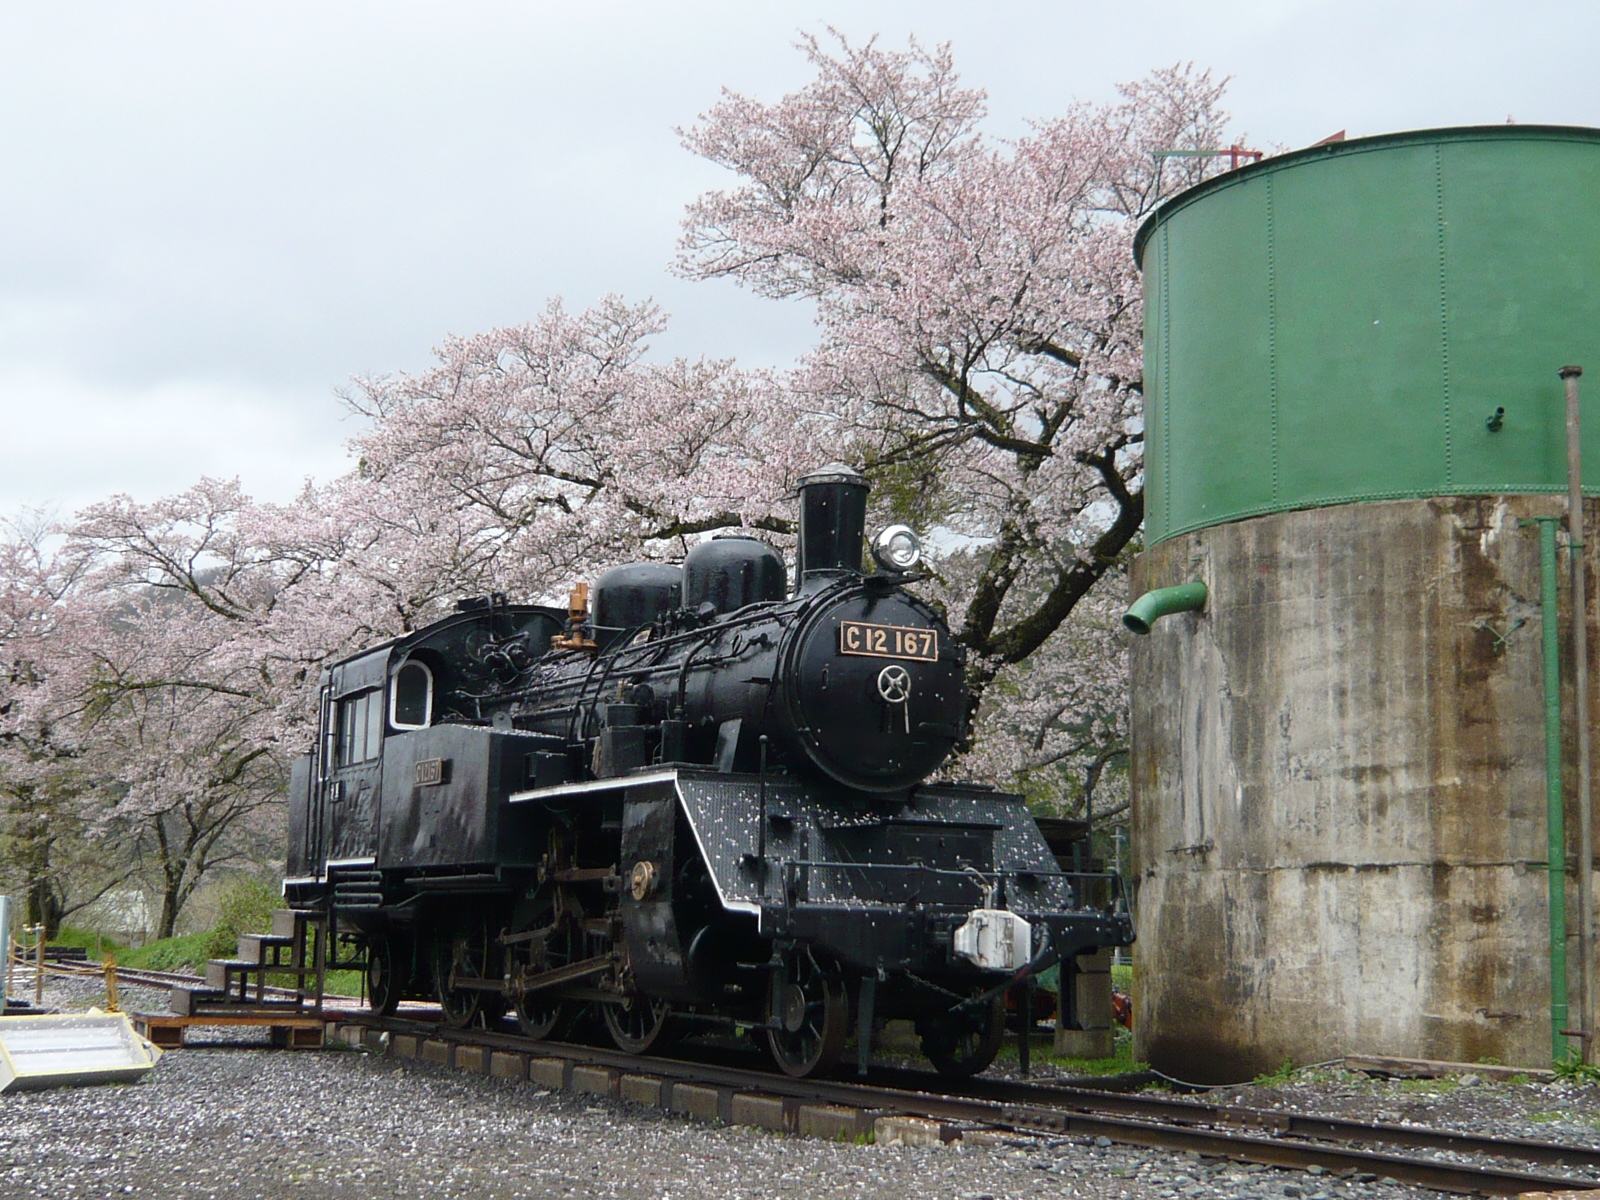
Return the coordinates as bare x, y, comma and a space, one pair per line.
360, 728
411, 696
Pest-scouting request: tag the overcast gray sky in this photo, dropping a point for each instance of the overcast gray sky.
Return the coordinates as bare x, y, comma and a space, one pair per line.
213, 215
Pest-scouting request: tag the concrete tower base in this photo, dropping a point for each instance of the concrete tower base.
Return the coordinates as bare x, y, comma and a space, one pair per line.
1339, 790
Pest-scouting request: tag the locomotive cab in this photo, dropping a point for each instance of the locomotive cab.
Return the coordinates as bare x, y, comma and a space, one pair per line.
371, 766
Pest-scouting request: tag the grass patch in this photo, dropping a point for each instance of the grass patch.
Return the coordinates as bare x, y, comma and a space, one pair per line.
341, 983
336, 983
1565, 1117
1278, 1078
1043, 1051
1575, 1070
85, 939
190, 951
186, 952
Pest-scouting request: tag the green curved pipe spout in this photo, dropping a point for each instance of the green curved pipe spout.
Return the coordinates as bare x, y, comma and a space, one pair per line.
1152, 606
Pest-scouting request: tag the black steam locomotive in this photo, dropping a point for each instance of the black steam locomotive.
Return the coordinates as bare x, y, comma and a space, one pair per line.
698, 799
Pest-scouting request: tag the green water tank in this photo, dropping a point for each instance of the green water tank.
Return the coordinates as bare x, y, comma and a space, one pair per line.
1343, 323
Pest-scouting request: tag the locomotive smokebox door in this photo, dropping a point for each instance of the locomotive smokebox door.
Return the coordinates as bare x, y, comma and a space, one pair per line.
655, 951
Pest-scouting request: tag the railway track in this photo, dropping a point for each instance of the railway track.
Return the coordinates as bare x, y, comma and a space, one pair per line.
146, 978
1433, 1158
24, 973
1445, 1160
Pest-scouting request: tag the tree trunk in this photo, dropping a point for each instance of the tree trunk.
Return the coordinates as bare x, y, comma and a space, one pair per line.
170, 905
44, 904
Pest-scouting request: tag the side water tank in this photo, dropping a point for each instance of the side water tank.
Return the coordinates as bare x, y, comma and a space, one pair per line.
635, 594
731, 571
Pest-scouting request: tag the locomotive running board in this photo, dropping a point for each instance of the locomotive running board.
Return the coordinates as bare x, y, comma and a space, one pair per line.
561, 790
725, 810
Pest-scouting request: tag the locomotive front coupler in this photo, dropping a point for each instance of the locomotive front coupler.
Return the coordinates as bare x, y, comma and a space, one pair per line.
1041, 962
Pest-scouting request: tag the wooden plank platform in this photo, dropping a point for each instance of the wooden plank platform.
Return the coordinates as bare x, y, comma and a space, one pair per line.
288, 1030
1427, 1068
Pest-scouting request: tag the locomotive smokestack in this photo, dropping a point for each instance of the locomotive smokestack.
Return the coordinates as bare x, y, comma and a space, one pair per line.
833, 521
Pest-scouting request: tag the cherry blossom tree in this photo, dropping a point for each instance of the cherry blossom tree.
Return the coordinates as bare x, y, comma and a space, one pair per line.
980, 323
1055, 725
181, 665
45, 853
529, 458
175, 696
978, 353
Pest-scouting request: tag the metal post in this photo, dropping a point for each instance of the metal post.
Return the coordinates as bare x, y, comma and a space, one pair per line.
1555, 809
5, 950
1024, 997
1580, 676
324, 932
866, 1003
38, 966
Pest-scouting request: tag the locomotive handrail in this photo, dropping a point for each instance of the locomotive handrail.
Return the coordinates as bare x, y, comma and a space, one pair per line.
1113, 878
750, 614
655, 644
963, 871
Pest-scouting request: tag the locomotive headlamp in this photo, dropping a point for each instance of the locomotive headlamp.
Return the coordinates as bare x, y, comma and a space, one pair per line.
897, 548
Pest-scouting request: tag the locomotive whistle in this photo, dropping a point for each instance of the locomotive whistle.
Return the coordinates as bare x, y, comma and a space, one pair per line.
577, 615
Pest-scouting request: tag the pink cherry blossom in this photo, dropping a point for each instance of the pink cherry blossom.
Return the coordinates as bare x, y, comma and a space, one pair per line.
980, 332
978, 354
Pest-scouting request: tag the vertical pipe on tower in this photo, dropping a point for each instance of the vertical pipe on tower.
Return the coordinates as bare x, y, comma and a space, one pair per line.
1555, 808
1580, 675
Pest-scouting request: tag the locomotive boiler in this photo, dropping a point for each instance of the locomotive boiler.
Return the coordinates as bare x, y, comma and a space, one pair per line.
694, 797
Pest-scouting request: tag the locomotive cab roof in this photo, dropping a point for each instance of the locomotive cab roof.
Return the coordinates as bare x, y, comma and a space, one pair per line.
453, 637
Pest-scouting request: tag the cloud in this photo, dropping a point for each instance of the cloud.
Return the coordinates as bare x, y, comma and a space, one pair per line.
69, 443
211, 216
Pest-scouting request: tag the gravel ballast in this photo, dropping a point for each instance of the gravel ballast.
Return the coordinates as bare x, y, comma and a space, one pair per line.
261, 1124
253, 1123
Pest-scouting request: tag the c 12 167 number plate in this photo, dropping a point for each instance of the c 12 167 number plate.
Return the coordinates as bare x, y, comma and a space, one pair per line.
888, 641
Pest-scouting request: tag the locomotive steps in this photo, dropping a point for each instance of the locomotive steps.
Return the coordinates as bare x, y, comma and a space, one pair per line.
234, 991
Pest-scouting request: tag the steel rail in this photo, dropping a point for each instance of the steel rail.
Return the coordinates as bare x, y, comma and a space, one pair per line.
1240, 1134
140, 977
133, 975
1275, 1121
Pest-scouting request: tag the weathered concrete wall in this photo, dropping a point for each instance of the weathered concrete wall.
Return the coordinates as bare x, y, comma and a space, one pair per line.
1339, 790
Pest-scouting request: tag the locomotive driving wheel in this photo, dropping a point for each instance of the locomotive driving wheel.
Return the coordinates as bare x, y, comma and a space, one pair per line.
540, 1012
383, 982
457, 957
639, 1024
810, 1009
964, 1041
